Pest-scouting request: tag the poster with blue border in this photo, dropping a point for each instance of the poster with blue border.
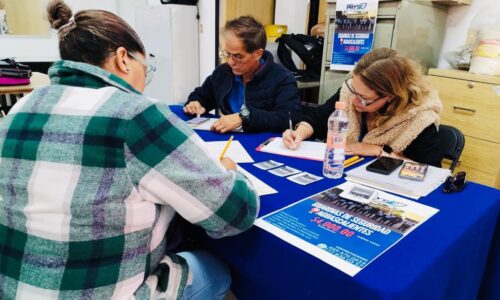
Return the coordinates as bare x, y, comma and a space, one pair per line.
354, 32
347, 234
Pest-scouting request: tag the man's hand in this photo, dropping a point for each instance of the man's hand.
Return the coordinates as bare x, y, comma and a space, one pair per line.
227, 123
194, 108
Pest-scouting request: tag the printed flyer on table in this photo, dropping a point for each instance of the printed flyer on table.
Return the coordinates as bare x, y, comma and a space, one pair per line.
345, 233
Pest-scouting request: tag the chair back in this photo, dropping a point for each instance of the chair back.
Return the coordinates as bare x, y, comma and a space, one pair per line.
451, 143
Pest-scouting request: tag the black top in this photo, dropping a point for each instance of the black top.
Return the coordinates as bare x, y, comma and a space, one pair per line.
271, 96
423, 149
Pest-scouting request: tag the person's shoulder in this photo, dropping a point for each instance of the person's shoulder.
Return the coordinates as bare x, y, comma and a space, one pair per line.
280, 73
131, 104
222, 69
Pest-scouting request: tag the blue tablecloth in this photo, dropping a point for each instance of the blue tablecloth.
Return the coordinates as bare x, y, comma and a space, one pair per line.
453, 255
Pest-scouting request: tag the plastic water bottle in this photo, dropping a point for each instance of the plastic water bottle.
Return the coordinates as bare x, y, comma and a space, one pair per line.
333, 164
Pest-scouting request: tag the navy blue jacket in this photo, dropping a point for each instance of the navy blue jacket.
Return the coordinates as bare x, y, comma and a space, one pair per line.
270, 96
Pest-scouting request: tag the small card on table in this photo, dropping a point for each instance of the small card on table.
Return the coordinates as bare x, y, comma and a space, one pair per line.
284, 171
268, 164
304, 178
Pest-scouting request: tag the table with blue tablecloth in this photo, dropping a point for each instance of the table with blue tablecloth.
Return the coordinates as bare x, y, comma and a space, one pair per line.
453, 255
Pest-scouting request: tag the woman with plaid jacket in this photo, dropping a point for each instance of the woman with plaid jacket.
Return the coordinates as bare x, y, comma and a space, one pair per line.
92, 173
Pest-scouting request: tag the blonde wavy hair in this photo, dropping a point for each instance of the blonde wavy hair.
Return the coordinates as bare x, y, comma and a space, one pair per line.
390, 74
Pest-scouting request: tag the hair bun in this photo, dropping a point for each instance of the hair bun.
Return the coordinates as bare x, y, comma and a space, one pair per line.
58, 13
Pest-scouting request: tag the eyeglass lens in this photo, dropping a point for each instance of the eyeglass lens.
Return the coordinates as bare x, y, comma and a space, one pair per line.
150, 65
226, 55
365, 102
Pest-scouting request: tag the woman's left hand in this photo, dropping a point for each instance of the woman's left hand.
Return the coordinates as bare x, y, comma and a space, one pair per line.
363, 149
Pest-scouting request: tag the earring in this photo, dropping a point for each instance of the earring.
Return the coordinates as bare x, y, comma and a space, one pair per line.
128, 70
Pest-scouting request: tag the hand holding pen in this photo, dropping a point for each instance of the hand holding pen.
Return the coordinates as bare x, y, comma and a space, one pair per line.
293, 138
228, 163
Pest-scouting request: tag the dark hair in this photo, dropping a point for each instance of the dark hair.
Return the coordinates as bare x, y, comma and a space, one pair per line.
92, 35
249, 30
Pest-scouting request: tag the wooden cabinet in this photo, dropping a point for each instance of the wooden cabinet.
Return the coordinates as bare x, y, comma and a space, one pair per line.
472, 104
414, 28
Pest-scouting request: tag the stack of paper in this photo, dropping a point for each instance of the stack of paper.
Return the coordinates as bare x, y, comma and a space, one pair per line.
394, 184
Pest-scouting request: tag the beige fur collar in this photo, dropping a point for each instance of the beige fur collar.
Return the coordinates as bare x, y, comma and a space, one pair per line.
399, 131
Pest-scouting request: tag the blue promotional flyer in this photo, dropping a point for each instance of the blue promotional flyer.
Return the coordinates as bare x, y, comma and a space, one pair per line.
347, 226
354, 32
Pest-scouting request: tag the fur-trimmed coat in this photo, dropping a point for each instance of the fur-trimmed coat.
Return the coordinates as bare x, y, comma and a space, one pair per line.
399, 131
414, 133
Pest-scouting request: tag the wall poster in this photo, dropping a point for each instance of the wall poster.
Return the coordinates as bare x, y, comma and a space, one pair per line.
354, 32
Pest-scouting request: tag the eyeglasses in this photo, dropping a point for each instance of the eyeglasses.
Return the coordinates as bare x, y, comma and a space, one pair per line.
364, 101
237, 58
150, 64
455, 183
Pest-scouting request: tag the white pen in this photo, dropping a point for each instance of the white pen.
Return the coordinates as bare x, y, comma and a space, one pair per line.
291, 129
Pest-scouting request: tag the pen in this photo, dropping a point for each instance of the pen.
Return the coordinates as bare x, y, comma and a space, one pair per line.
266, 142
354, 162
225, 148
291, 129
350, 160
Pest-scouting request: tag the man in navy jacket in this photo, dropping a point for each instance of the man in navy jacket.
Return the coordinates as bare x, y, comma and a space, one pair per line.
250, 90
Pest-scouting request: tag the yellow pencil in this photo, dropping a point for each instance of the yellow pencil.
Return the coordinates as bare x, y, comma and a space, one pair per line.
354, 162
350, 160
225, 148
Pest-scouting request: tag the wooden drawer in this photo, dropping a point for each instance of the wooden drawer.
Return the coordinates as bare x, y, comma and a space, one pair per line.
480, 160
471, 106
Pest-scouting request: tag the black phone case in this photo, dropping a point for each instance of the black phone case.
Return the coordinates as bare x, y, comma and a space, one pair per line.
381, 171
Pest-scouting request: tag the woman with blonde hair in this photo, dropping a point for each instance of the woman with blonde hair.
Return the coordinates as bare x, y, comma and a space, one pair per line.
392, 111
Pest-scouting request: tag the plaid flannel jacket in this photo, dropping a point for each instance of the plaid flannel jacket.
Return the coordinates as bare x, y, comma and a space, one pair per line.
91, 174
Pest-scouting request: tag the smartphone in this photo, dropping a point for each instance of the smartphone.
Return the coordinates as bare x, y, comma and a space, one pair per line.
384, 165
413, 170
196, 121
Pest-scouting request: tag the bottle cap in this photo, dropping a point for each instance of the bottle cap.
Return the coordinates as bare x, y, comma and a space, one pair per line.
340, 105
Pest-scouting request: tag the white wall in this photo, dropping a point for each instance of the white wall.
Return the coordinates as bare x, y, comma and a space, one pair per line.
457, 25
292, 13
45, 48
207, 36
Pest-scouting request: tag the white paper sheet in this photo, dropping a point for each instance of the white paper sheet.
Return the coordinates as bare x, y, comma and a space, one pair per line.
259, 185
307, 150
236, 151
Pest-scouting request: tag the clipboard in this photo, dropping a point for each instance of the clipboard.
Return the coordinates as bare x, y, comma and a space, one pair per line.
307, 150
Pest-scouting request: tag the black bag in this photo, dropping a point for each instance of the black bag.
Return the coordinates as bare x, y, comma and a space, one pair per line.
10, 68
308, 48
